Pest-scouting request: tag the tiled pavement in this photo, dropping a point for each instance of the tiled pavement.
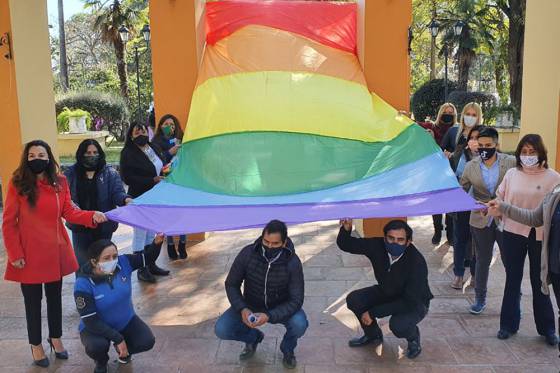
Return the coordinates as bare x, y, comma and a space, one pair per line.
182, 310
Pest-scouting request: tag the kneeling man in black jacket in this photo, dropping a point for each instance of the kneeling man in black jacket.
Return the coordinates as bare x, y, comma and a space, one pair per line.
273, 292
402, 290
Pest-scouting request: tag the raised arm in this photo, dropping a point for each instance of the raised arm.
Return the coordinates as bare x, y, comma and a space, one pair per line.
346, 242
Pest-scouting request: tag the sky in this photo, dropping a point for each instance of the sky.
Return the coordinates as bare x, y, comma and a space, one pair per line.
71, 7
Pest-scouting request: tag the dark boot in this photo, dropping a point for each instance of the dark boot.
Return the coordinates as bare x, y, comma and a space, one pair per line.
183, 250
145, 275
289, 361
100, 367
157, 271
251, 348
365, 340
171, 251
414, 349
436, 239
449, 236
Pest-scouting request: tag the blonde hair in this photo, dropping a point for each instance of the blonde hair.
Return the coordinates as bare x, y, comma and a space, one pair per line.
476, 107
442, 109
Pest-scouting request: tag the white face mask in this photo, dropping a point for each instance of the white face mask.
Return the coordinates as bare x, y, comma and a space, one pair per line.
469, 120
108, 267
529, 160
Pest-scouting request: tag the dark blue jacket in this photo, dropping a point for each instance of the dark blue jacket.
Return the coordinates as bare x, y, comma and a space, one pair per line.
110, 194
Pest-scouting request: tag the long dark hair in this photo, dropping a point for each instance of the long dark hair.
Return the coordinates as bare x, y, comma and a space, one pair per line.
25, 180
128, 142
537, 143
82, 149
178, 131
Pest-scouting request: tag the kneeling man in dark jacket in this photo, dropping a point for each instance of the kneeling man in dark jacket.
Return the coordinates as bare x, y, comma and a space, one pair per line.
402, 290
273, 289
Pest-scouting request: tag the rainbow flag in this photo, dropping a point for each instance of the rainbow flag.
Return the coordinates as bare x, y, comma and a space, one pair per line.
283, 126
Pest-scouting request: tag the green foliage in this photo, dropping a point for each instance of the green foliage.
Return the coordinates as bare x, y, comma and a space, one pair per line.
487, 102
428, 98
63, 118
108, 111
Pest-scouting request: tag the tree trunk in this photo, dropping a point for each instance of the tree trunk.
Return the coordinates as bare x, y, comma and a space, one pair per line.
499, 76
515, 50
465, 58
121, 67
62, 36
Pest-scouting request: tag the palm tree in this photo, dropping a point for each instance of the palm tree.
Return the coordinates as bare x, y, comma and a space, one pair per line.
110, 16
62, 38
475, 32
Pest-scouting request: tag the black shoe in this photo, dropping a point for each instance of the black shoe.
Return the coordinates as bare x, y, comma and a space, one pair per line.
436, 239
289, 361
100, 367
504, 334
157, 271
251, 348
551, 339
43, 363
414, 348
59, 355
183, 250
145, 275
365, 340
171, 252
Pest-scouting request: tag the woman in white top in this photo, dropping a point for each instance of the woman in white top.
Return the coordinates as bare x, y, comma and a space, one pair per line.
141, 165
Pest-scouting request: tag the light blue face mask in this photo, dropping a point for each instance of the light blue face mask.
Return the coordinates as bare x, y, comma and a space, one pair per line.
108, 267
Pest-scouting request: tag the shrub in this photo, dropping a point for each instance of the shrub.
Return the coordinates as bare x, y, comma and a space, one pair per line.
108, 111
63, 119
429, 97
487, 101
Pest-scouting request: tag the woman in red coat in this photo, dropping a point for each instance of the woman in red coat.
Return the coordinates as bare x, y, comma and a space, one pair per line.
38, 247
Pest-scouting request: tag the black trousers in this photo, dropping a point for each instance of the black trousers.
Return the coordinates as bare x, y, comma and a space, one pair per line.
403, 325
438, 222
515, 249
32, 296
137, 335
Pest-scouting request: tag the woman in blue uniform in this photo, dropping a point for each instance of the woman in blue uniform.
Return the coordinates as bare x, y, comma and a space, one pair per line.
103, 296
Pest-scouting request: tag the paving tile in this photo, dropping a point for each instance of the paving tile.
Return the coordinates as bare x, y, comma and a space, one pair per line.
488, 351
434, 350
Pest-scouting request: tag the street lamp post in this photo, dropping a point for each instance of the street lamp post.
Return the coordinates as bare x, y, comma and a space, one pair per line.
124, 33
457, 30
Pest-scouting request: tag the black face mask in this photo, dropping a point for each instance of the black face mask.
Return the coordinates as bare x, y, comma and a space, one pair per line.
271, 252
447, 118
140, 140
90, 162
486, 153
38, 165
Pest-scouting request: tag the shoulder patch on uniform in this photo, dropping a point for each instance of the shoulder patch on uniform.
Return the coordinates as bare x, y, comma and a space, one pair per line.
80, 303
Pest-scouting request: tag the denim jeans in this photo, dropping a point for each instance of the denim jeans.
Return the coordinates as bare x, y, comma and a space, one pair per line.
141, 238
230, 327
461, 241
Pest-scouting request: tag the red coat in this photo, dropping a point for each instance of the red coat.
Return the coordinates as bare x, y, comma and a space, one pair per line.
38, 234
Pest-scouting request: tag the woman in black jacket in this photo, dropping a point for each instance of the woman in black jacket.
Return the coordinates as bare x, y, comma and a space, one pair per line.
168, 138
141, 165
94, 186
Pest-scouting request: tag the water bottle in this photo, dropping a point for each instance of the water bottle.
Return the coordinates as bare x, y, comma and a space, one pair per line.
252, 318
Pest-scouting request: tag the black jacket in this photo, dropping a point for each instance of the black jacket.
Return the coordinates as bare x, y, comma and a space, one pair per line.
405, 282
275, 288
164, 144
110, 194
137, 171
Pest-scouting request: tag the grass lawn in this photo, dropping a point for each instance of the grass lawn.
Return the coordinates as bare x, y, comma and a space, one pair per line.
112, 154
